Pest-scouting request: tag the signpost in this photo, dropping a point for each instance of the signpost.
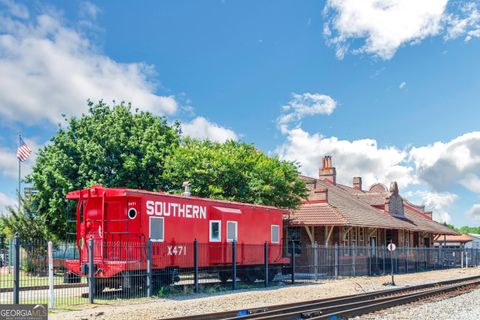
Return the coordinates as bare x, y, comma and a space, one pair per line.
391, 247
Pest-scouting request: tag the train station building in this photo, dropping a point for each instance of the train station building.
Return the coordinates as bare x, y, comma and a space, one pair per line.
357, 216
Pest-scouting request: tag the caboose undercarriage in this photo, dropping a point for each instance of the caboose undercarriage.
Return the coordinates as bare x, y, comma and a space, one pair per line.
137, 279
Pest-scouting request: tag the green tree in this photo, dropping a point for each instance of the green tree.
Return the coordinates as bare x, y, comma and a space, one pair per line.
467, 229
448, 225
33, 233
29, 226
112, 146
234, 171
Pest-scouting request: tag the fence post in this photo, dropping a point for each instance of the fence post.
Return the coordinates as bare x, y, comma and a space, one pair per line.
336, 260
461, 259
16, 269
441, 253
416, 259
50, 275
354, 260
383, 256
369, 259
234, 265
91, 277
195, 264
293, 261
149, 269
315, 259
466, 259
265, 257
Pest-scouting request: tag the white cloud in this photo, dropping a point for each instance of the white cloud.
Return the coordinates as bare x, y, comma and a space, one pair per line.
302, 105
6, 201
444, 165
464, 23
474, 212
351, 158
402, 85
16, 9
89, 9
8, 163
201, 128
48, 68
385, 26
439, 203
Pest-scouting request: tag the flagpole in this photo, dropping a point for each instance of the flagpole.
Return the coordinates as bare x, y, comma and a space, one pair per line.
19, 171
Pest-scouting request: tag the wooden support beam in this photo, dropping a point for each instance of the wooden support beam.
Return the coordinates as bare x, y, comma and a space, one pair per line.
310, 235
329, 234
372, 232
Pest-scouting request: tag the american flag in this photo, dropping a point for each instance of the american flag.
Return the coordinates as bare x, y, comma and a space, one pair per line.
23, 151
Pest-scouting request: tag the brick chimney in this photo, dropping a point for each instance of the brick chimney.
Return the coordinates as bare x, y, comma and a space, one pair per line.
357, 183
327, 171
319, 195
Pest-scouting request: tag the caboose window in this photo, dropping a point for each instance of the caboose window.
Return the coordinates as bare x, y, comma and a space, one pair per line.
156, 229
275, 234
215, 231
232, 231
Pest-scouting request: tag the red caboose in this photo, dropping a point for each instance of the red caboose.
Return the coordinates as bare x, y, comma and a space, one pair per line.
121, 221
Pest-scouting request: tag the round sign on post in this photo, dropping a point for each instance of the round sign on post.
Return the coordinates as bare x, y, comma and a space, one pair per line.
391, 247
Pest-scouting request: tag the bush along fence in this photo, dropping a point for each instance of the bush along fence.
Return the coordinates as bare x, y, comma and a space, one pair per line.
41, 272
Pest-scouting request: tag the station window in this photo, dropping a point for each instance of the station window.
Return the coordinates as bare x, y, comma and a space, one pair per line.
275, 237
232, 231
215, 230
156, 229
293, 238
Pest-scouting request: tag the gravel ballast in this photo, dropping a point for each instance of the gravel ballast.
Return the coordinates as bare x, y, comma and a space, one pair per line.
181, 305
464, 306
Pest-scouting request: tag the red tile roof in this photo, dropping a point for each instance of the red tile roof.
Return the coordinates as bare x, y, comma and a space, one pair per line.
352, 207
317, 214
461, 237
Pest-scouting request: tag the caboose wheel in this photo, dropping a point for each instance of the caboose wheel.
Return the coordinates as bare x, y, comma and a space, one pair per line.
99, 286
71, 278
224, 276
248, 277
272, 272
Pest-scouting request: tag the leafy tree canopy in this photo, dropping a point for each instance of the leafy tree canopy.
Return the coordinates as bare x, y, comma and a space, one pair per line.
112, 146
467, 229
116, 147
464, 229
29, 226
234, 171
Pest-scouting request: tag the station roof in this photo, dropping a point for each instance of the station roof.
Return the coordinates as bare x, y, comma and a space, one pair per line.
347, 206
461, 238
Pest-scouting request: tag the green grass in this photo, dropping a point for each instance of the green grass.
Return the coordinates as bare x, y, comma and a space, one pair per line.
28, 280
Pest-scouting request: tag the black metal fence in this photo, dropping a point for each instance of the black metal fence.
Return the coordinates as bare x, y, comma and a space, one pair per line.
41, 272
314, 261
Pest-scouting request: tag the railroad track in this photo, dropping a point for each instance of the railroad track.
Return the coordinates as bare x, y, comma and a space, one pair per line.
345, 306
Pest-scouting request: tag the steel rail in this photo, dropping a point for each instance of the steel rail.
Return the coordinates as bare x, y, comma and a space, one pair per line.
361, 307
392, 302
275, 310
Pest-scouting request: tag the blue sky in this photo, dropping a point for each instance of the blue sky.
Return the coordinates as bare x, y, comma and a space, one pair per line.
389, 89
